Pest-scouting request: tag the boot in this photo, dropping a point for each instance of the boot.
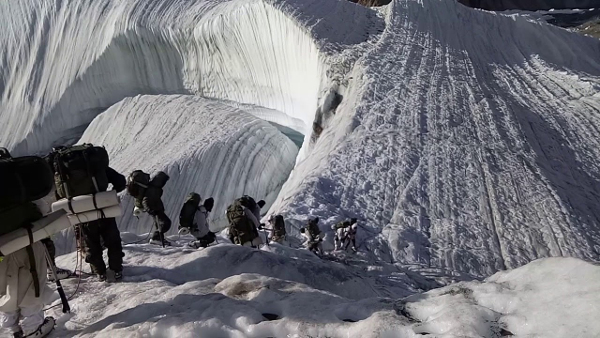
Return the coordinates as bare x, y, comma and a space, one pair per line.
44, 329
114, 276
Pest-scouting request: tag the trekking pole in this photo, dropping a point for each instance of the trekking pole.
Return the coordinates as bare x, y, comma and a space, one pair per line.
267, 239
65, 303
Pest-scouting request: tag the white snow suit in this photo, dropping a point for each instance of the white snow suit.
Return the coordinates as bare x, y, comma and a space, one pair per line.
201, 223
17, 292
350, 236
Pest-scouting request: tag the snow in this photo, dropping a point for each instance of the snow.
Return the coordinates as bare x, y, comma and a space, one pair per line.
225, 290
554, 297
465, 143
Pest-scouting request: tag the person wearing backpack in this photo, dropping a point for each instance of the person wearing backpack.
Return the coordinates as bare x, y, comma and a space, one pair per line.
278, 233
313, 235
243, 223
148, 198
83, 170
342, 231
23, 288
193, 219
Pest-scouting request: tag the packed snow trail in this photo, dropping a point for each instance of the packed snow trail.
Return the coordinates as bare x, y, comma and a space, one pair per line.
233, 291
465, 140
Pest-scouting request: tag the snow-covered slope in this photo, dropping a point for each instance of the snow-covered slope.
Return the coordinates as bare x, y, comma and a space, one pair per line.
231, 291
465, 140
469, 151
204, 146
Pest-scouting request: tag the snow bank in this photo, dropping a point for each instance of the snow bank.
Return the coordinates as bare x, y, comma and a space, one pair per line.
554, 297
204, 145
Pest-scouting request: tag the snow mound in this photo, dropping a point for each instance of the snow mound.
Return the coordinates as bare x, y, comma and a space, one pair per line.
204, 145
553, 297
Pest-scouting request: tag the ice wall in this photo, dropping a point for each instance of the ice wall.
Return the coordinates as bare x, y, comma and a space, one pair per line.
76, 59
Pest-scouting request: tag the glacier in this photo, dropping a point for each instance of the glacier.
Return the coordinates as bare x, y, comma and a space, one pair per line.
464, 141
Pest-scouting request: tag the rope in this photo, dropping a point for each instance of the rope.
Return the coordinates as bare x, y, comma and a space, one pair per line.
78, 261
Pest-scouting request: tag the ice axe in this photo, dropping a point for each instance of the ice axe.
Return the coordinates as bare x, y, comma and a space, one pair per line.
65, 302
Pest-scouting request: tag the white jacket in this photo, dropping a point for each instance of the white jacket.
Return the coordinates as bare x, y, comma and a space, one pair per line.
252, 217
201, 222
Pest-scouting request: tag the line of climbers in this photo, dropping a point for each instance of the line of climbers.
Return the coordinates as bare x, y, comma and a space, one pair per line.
78, 179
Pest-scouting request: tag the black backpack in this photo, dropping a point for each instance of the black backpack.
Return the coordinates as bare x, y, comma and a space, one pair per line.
23, 180
137, 183
248, 202
80, 170
188, 210
279, 226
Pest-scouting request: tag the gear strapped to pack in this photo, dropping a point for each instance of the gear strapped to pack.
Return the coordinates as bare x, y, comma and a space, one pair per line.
67, 189
32, 263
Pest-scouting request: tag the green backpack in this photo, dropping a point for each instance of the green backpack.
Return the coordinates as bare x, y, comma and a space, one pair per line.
235, 211
80, 170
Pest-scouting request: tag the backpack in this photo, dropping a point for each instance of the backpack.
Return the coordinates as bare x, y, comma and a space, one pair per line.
313, 227
248, 202
80, 170
137, 183
235, 211
340, 225
23, 179
188, 210
279, 226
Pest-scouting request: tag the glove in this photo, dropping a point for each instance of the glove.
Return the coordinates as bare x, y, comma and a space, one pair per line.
184, 231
